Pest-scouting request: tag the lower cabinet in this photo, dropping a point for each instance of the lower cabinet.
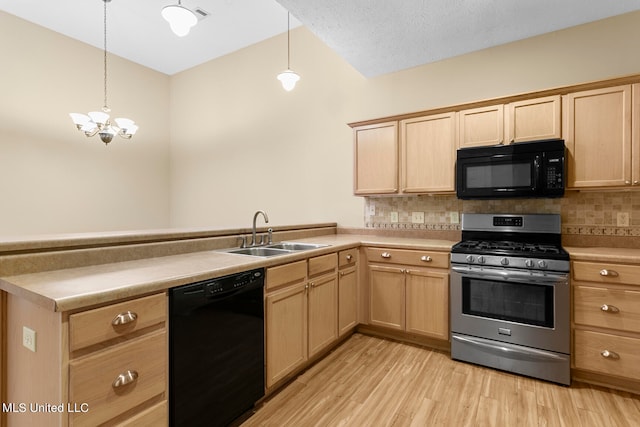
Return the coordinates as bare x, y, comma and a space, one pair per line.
606, 322
301, 312
347, 291
406, 297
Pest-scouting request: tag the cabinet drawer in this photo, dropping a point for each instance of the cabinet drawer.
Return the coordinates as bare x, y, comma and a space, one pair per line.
606, 273
323, 264
92, 379
348, 257
157, 415
623, 357
409, 257
286, 274
607, 308
105, 323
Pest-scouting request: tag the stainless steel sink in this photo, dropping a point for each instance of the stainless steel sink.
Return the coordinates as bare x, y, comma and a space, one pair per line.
274, 249
291, 246
258, 251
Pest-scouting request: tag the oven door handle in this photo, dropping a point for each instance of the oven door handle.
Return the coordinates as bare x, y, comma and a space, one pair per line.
500, 274
510, 350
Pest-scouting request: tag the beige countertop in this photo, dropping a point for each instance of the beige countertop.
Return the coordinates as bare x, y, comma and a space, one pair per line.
615, 255
81, 287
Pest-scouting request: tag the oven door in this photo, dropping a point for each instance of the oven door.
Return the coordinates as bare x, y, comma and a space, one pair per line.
527, 308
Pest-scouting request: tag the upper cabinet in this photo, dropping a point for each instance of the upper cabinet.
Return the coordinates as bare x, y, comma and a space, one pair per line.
428, 153
482, 126
376, 159
534, 119
519, 121
602, 151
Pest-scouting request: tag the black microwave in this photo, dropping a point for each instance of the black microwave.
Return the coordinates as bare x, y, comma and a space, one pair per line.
525, 169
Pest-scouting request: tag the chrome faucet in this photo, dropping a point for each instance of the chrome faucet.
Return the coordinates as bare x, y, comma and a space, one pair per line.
255, 217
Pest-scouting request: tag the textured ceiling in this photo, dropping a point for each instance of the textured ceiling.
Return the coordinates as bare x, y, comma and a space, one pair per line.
375, 36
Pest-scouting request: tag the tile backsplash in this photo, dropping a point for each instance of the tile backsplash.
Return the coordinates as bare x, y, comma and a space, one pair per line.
583, 213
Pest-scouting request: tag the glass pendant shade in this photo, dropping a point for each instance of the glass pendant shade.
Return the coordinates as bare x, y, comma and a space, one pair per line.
288, 79
180, 19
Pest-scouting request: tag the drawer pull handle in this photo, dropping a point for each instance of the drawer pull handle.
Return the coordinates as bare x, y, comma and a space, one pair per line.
349, 257
124, 379
124, 318
610, 308
426, 258
609, 273
385, 255
610, 354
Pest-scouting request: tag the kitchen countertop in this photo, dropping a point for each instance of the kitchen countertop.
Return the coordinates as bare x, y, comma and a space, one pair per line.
82, 287
616, 255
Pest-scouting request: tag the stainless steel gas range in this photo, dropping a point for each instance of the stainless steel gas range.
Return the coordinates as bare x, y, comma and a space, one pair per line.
510, 295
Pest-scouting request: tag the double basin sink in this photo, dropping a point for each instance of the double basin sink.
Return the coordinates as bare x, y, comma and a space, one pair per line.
274, 249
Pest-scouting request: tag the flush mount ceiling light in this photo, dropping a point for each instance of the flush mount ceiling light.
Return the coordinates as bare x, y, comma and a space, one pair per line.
97, 122
288, 78
180, 18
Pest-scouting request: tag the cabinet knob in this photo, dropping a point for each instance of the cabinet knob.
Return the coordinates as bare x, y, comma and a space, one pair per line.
627, 182
349, 257
124, 318
610, 308
125, 378
385, 255
609, 273
426, 258
636, 182
609, 354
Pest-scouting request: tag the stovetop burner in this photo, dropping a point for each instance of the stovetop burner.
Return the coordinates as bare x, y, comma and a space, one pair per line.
509, 247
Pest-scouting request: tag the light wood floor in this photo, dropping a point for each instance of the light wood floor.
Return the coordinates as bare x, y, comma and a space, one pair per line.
369, 381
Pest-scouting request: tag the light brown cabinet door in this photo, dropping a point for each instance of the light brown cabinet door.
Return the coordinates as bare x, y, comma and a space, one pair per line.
347, 300
482, 126
534, 119
598, 138
386, 305
376, 159
323, 313
428, 153
286, 324
635, 136
427, 303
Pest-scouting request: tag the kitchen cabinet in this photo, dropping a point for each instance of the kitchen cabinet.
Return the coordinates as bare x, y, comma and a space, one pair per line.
518, 121
347, 291
606, 321
409, 291
376, 159
602, 150
106, 365
428, 153
301, 312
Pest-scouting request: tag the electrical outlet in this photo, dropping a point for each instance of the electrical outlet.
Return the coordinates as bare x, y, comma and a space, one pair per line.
622, 219
454, 218
371, 209
417, 217
29, 338
394, 217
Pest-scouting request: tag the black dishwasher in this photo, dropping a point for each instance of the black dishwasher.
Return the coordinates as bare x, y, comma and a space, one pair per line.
216, 349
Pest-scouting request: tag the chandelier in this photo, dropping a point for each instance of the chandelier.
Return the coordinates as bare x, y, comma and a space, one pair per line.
288, 78
98, 122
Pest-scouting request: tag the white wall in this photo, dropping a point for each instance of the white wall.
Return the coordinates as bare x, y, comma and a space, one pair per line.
52, 178
240, 143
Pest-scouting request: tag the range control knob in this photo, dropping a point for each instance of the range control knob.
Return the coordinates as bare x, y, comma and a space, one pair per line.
529, 263
504, 261
469, 258
542, 263
481, 259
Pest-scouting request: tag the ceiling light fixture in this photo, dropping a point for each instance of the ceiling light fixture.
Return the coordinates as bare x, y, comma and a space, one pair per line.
180, 18
97, 122
288, 78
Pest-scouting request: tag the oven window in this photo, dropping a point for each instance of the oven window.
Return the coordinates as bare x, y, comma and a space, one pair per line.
516, 302
505, 175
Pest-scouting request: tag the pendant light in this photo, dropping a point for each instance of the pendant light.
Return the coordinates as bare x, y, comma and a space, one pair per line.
97, 122
288, 78
180, 18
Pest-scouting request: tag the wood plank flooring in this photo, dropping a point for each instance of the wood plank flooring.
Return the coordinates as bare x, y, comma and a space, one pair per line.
369, 381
